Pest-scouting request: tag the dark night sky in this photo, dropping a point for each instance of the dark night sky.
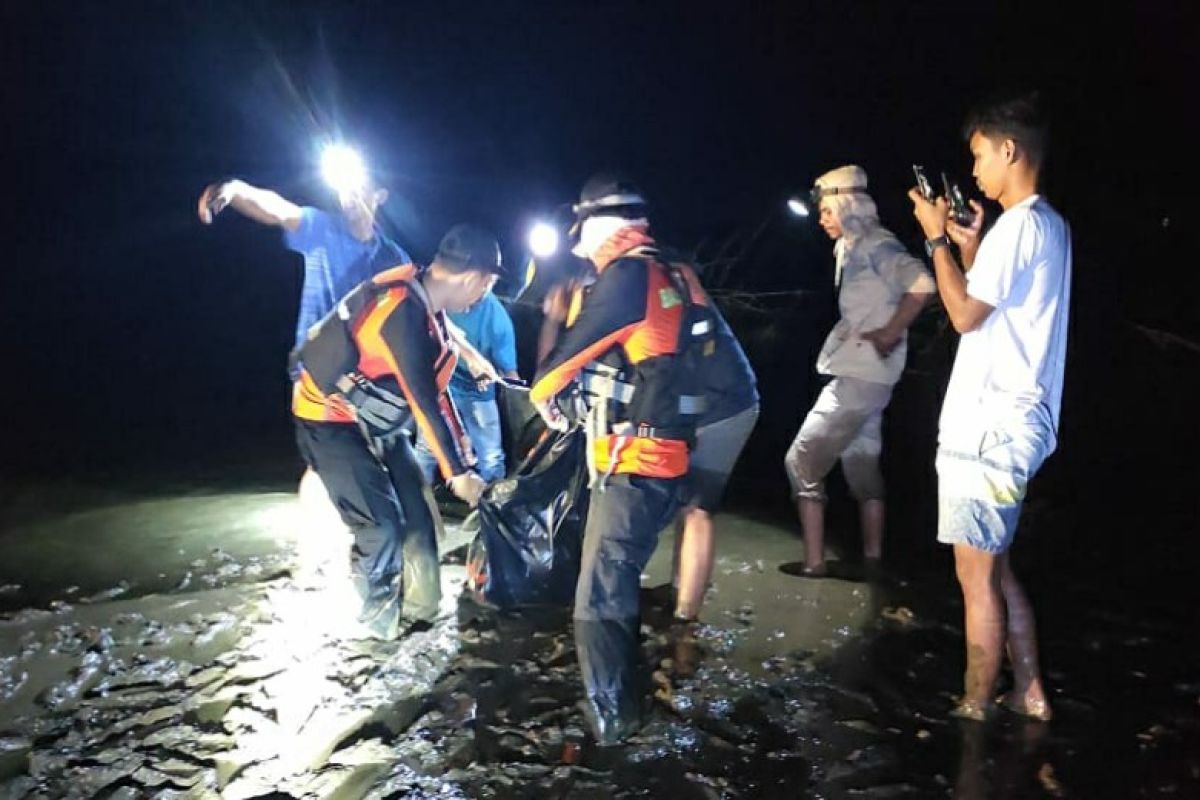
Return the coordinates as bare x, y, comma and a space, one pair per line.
120, 306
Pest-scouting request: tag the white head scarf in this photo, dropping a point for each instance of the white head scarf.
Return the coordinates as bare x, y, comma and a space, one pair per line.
597, 230
856, 213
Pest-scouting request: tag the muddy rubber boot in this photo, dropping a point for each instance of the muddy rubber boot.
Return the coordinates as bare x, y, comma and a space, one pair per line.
611, 721
386, 625
610, 664
380, 612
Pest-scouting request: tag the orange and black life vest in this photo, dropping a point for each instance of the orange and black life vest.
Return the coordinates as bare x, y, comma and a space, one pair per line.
383, 336
636, 340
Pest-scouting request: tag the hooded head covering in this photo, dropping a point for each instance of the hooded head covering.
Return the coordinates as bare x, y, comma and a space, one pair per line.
844, 191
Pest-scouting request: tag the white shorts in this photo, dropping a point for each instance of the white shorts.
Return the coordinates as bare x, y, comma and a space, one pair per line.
982, 479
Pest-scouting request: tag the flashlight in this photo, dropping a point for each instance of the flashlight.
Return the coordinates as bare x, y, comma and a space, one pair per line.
543, 240
797, 206
343, 169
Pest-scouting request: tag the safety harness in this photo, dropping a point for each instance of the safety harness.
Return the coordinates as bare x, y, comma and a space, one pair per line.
608, 392
331, 358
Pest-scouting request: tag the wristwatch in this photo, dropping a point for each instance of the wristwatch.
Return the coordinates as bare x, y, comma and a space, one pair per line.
935, 243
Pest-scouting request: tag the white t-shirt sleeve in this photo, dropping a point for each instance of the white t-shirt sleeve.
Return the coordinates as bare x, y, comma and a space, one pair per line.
1007, 251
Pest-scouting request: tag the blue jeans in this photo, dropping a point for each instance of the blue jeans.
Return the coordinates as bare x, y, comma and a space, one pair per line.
481, 418
383, 503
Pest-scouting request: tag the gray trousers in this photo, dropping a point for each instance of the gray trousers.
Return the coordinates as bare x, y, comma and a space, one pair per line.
845, 423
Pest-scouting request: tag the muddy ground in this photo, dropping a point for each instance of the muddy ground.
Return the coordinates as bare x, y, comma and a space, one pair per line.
197, 646
181, 630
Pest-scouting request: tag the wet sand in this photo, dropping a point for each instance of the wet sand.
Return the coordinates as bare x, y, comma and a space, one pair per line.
198, 646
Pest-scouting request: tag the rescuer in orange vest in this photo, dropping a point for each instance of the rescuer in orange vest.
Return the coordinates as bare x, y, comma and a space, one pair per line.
629, 359
382, 359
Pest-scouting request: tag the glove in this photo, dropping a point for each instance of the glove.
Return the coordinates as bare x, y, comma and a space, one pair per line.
552, 415
468, 487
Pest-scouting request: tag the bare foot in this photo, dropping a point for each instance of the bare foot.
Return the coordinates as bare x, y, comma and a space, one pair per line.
1030, 703
972, 711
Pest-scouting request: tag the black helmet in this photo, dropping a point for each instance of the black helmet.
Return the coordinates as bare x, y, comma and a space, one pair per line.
469, 247
609, 193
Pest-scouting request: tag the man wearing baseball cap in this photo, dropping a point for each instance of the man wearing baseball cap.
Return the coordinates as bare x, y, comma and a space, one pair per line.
382, 358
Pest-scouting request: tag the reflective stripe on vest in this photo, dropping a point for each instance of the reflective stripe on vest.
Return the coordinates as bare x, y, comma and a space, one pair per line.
601, 386
606, 387
603, 382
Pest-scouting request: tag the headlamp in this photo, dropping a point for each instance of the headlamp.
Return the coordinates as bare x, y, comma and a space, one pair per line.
804, 205
797, 206
818, 192
543, 240
343, 169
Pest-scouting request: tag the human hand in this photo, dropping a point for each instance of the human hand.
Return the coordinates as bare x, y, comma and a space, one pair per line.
214, 199
884, 340
931, 216
467, 487
484, 373
552, 415
967, 236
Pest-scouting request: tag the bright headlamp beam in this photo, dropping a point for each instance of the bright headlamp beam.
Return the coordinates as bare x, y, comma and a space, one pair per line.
343, 169
797, 206
543, 240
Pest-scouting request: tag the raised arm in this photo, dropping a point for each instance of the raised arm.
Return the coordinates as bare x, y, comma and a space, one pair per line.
260, 205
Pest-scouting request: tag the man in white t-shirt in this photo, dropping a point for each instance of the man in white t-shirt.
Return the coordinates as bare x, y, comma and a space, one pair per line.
999, 419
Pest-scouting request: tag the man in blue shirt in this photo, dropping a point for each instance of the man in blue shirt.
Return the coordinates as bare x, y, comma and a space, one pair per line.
340, 250
487, 326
